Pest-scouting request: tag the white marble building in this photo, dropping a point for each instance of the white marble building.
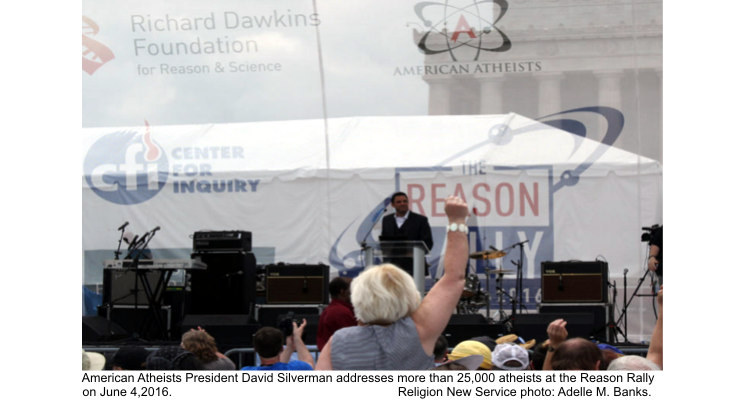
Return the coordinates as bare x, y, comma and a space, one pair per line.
565, 54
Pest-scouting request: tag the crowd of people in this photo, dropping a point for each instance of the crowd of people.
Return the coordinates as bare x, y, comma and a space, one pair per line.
378, 321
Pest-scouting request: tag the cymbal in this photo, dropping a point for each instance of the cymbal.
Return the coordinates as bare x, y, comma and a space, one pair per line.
487, 255
502, 271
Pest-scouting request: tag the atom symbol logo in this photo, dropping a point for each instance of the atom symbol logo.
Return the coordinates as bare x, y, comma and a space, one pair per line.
463, 34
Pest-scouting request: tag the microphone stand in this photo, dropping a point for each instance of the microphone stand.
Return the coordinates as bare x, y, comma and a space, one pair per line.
134, 266
519, 283
624, 314
119, 243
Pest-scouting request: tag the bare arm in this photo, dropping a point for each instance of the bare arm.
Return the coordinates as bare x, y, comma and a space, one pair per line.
656, 348
557, 335
652, 261
301, 350
294, 342
287, 351
434, 311
324, 363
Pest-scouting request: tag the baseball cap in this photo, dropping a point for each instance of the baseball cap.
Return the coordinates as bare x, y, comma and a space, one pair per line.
131, 358
92, 361
471, 347
507, 352
472, 362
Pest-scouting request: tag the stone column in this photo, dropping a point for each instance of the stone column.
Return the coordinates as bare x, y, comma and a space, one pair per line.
549, 92
609, 95
491, 94
439, 94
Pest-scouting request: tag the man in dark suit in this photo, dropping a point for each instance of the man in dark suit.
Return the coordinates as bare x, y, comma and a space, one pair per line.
408, 226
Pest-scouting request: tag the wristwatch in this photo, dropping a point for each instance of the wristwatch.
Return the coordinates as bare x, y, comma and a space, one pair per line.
461, 228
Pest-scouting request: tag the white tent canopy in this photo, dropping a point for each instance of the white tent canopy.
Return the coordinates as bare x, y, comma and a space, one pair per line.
309, 190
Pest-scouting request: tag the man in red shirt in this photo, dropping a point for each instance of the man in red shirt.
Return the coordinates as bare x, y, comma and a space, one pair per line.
338, 314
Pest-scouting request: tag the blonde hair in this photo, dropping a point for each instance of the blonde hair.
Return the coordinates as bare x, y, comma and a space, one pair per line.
384, 294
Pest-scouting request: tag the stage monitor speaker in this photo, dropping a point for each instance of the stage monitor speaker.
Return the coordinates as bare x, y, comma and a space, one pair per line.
602, 318
134, 320
297, 284
574, 282
100, 330
533, 326
119, 286
227, 330
227, 287
463, 327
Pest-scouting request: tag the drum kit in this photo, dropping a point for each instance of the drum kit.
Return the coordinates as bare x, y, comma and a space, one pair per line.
475, 298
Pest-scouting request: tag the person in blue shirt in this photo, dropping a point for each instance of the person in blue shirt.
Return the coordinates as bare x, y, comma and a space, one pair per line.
268, 343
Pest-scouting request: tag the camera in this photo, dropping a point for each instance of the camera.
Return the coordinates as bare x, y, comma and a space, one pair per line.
285, 324
646, 236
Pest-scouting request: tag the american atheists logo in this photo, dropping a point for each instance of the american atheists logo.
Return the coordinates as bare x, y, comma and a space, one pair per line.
438, 17
487, 68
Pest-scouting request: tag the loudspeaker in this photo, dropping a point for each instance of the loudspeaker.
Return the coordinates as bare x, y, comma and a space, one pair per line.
296, 284
99, 330
574, 282
119, 286
227, 286
134, 320
463, 327
533, 326
599, 327
227, 330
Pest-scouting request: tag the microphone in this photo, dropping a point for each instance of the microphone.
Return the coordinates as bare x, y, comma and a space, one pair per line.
305, 289
144, 237
561, 283
123, 226
155, 229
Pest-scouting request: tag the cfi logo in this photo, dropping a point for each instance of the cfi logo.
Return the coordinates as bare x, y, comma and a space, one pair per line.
126, 167
94, 53
439, 18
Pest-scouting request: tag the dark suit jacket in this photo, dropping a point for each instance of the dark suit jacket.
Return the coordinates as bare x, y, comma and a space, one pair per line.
416, 227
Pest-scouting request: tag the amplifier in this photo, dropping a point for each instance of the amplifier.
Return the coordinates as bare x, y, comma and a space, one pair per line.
296, 284
597, 319
119, 286
463, 327
574, 282
139, 320
223, 241
227, 287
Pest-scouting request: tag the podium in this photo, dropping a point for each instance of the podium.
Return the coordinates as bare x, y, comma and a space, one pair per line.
404, 252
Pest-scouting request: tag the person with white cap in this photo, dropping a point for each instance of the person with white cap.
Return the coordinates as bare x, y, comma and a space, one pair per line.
510, 357
92, 361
